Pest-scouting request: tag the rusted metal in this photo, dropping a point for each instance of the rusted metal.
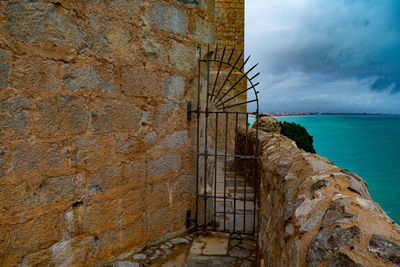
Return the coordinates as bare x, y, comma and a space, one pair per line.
216, 97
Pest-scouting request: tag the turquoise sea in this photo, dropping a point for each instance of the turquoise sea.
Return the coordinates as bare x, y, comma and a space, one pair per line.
368, 145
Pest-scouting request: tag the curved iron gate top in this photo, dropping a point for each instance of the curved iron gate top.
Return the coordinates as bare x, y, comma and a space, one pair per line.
226, 200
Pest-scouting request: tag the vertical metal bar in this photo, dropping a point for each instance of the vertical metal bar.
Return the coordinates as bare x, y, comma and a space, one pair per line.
234, 187
256, 182
226, 151
215, 170
198, 139
245, 174
219, 69
206, 142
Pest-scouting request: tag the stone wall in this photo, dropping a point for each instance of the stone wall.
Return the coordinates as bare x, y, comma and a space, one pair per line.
96, 154
313, 213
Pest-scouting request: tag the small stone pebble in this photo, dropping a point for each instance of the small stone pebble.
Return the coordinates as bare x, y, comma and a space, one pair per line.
179, 240
235, 236
168, 244
156, 255
250, 242
246, 263
239, 252
167, 252
164, 246
126, 264
234, 242
139, 256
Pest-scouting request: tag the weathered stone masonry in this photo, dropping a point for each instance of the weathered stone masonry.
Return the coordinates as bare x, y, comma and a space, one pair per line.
96, 158
313, 213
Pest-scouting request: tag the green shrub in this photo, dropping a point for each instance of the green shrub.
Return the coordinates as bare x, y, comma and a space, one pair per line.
299, 134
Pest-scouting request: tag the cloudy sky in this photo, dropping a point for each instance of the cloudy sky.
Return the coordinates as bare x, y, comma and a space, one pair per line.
326, 55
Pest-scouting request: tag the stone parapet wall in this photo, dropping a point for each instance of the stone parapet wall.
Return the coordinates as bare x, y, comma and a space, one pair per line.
96, 154
313, 213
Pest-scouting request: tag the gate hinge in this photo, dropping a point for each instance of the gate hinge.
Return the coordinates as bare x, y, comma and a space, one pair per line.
189, 111
188, 218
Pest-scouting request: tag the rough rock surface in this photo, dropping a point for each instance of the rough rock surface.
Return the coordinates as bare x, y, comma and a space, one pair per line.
267, 124
291, 207
337, 214
314, 213
384, 248
329, 241
96, 158
342, 260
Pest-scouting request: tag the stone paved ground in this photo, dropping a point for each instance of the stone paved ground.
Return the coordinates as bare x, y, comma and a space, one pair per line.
240, 213
197, 250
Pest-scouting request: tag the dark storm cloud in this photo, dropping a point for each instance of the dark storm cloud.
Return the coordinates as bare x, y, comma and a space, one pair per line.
331, 50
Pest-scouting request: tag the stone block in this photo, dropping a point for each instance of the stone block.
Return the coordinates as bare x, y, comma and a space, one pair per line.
73, 252
165, 17
5, 69
62, 115
175, 215
313, 221
294, 253
114, 116
192, 3
33, 157
183, 187
133, 206
174, 87
176, 139
159, 194
39, 258
154, 49
136, 81
15, 198
337, 214
127, 145
4, 162
40, 232
93, 152
35, 74
110, 37
76, 78
291, 207
130, 7
55, 189
385, 249
135, 172
357, 186
328, 242
35, 21
116, 241
164, 114
14, 119
126, 264
317, 165
198, 260
106, 178
341, 259
204, 31
99, 215
164, 164
183, 57
150, 138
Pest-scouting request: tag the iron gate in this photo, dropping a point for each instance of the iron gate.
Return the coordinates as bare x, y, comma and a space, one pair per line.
226, 198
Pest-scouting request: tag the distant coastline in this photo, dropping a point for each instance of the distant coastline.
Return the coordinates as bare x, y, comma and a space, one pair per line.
287, 114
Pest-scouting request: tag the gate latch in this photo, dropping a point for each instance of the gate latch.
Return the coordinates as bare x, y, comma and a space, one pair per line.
188, 218
189, 111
